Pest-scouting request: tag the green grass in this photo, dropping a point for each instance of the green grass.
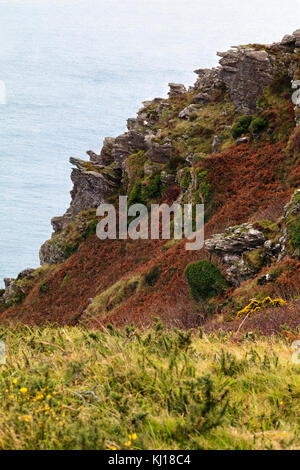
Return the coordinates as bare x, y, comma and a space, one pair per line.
70, 388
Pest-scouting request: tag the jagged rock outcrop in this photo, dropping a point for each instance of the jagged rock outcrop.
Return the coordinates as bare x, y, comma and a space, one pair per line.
232, 246
246, 71
91, 186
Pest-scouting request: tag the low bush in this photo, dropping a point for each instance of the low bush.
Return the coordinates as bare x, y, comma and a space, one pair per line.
205, 280
295, 233
136, 197
241, 126
258, 124
152, 276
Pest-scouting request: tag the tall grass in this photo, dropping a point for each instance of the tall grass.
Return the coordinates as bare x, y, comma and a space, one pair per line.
71, 388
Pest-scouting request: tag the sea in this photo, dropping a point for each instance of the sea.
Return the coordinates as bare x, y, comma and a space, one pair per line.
73, 71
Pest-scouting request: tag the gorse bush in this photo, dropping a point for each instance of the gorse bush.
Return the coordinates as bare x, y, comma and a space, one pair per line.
256, 305
205, 280
258, 124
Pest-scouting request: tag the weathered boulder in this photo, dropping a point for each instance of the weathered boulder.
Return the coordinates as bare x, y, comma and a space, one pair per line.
176, 89
288, 39
187, 112
148, 115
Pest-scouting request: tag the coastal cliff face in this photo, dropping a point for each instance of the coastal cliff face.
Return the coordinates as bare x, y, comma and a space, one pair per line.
232, 142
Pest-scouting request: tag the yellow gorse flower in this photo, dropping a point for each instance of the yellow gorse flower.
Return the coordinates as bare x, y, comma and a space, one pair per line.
257, 305
23, 390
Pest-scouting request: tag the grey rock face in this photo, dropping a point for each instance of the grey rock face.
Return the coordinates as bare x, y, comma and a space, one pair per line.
51, 253
246, 72
296, 100
89, 191
291, 39
159, 153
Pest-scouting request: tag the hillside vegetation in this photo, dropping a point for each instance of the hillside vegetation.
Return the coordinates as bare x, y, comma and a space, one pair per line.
232, 142
73, 388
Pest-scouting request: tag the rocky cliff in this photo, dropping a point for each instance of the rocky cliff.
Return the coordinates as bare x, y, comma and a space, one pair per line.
231, 141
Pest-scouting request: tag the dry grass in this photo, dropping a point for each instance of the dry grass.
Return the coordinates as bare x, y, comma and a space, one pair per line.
72, 388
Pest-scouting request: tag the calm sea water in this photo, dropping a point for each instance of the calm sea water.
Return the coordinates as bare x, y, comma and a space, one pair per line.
75, 70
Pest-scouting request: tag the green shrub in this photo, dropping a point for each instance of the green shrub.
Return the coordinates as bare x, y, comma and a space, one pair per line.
205, 280
153, 189
152, 276
258, 125
135, 196
241, 126
43, 287
91, 228
295, 233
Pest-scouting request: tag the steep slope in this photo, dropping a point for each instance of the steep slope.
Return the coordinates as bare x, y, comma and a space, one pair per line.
232, 142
